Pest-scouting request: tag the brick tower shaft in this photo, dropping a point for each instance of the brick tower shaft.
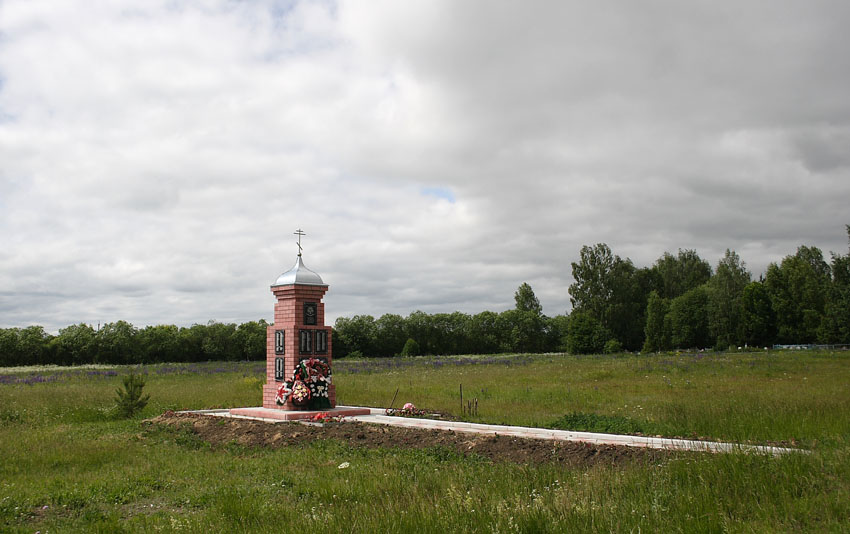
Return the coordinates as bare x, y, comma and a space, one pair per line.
298, 331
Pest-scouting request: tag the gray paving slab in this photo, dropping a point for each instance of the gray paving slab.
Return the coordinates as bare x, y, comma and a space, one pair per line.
378, 416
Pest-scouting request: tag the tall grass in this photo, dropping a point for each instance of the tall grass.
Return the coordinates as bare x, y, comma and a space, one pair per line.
743, 397
63, 450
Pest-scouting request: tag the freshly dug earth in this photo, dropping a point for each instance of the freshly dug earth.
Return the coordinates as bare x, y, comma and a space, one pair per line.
223, 431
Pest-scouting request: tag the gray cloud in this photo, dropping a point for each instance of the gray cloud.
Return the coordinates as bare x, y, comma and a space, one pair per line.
824, 148
156, 160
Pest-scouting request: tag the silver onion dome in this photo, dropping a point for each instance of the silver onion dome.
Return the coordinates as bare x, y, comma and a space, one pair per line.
299, 275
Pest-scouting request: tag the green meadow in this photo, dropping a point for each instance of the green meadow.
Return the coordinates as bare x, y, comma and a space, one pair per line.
69, 465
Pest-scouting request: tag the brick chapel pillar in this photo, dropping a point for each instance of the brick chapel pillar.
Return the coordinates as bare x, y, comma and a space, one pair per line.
298, 332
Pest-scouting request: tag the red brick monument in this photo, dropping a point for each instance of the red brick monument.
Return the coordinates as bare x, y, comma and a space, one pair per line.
299, 380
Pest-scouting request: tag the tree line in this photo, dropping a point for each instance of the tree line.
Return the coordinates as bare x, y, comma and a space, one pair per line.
680, 302
522, 329
122, 343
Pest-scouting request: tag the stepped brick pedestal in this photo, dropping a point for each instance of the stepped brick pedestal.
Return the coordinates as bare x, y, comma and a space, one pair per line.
298, 333
294, 415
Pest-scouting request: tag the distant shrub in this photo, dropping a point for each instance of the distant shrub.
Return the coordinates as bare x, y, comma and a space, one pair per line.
411, 348
612, 346
586, 335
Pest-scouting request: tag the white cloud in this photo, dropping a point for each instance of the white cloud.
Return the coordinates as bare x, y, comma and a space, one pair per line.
156, 159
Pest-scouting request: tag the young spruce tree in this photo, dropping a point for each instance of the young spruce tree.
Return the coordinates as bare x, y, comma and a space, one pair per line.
130, 400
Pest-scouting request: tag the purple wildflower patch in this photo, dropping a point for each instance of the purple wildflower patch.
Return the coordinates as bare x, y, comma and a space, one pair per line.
207, 368
378, 365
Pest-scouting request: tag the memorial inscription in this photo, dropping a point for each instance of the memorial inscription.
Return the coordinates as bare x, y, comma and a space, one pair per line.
321, 342
310, 313
306, 342
279, 342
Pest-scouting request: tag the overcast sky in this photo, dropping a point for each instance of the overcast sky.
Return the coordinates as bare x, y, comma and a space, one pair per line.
155, 160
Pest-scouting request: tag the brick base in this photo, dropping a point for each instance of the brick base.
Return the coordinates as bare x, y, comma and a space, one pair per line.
292, 415
270, 391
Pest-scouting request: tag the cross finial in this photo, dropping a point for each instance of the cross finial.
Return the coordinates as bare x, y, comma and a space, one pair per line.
299, 233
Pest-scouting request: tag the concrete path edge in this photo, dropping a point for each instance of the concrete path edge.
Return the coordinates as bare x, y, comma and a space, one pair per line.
378, 416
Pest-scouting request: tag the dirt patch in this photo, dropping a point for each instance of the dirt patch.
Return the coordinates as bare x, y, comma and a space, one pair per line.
223, 431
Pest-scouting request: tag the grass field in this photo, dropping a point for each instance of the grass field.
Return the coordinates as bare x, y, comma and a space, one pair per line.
69, 466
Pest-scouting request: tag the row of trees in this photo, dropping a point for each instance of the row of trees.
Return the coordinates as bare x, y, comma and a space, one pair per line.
122, 343
523, 329
678, 302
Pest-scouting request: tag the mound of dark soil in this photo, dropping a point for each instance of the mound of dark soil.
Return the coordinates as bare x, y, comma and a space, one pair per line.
223, 431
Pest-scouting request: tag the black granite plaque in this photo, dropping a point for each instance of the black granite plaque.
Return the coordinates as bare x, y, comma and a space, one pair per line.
311, 312
279, 342
321, 341
279, 370
306, 342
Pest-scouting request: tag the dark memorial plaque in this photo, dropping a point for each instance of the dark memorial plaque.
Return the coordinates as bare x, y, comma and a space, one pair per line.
306, 342
311, 311
321, 341
279, 370
279, 342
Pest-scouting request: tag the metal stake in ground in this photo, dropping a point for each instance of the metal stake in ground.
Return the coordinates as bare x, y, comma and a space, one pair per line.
393, 401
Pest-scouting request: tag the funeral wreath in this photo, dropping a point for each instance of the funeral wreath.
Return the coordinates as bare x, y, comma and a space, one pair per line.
308, 387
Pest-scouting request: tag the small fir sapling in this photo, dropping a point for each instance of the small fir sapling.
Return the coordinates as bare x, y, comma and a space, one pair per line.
130, 400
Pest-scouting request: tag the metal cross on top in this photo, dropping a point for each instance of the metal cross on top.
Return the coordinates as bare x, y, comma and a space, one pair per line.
299, 233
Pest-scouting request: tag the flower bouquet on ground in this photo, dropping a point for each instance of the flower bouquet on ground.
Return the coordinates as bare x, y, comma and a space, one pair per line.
309, 387
408, 410
325, 417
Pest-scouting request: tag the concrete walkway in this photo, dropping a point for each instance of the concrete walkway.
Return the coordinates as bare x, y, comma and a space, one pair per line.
378, 416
